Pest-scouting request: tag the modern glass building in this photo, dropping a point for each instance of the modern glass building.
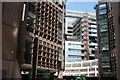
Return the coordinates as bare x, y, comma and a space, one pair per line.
108, 40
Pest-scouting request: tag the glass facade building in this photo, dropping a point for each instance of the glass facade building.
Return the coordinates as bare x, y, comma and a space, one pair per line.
108, 40
104, 39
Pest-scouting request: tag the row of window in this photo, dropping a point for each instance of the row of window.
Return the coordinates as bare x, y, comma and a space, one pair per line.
103, 27
73, 57
74, 50
74, 45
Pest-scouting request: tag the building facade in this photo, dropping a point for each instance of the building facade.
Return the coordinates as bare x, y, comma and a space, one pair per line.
108, 40
40, 38
87, 68
84, 30
69, 29
80, 44
73, 50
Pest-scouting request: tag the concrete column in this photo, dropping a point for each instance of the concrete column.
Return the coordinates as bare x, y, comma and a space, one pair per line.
88, 71
60, 74
81, 64
95, 70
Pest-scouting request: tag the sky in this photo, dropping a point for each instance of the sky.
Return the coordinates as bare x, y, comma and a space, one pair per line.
81, 6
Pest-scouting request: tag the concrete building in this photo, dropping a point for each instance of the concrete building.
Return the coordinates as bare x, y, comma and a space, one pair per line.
77, 24
84, 30
81, 44
108, 40
35, 43
73, 51
69, 29
87, 68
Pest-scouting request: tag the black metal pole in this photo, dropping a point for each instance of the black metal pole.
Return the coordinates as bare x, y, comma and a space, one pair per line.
34, 58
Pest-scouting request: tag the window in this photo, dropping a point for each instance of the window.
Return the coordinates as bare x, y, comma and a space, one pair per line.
105, 61
31, 8
105, 58
103, 28
60, 31
102, 6
59, 54
74, 45
70, 27
103, 11
60, 16
74, 50
102, 17
104, 43
69, 31
92, 28
105, 46
106, 65
103, 21
74, 57
106, 70
104, 40
92, 32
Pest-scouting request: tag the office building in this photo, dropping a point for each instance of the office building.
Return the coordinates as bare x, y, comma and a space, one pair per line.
80, 44
84, 30
73, 50
87, 68
108, 40
37, 41
69, 29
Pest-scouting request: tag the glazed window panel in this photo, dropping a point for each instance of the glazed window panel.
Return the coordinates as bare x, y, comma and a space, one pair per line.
104, 40
104, 46
31, 7
74, 50
105, 58
59, 54
31, 14
103, 28
60, 16
102, 17
60, 31
106, 65
74, 57
103, 11
74, 45
103, 21
102, 6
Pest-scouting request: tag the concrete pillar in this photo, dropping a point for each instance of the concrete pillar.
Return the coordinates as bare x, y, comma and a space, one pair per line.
88, 71
60, 74
95, 70
81, 64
